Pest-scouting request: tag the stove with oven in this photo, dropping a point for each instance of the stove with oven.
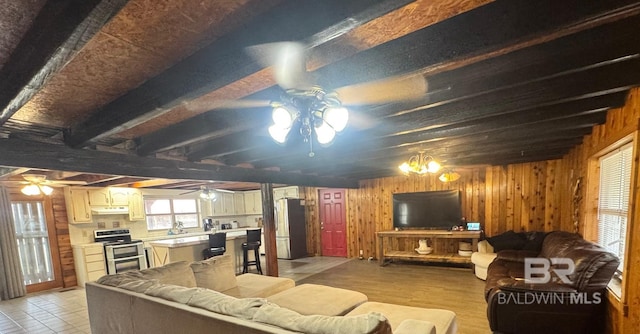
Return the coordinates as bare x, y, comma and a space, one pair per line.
120, 251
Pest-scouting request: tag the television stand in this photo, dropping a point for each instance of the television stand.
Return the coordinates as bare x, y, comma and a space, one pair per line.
437, 255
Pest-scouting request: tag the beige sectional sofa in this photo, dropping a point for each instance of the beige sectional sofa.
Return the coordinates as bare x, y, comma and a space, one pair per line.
206, 297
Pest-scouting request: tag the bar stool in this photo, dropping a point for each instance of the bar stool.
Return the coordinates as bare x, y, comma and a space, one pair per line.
217, 245
253, 243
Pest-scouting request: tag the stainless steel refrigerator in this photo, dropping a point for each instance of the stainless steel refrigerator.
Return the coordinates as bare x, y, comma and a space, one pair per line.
291, 236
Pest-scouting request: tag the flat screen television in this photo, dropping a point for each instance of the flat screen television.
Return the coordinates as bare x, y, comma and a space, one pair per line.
433, 210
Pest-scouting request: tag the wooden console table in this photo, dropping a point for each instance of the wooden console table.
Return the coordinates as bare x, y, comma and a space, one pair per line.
432, 235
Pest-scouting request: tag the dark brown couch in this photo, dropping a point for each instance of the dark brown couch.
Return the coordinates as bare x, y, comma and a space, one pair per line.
516, 306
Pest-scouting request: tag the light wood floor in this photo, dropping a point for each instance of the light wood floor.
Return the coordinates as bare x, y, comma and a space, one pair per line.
413, 284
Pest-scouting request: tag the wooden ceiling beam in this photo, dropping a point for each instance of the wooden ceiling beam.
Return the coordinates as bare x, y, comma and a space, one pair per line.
21, 153
60, 30
225, 61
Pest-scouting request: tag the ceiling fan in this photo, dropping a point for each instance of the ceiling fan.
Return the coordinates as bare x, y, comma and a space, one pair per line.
317, 113
207, 193
36, 184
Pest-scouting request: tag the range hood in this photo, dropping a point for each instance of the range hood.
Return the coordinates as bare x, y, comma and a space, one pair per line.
120, 210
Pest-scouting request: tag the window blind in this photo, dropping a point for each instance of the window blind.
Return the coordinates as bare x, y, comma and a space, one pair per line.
613, 201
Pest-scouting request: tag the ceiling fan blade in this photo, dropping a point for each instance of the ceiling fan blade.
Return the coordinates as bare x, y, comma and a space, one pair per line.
288, 60
225, 191
189, 192
63, 182
201, 106
400, 88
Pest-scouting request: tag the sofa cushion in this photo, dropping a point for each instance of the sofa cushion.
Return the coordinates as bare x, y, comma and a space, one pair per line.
326, 300
253, 285
320, 324
177, 273
411, 326
220, 303
444, 320
216, 273
175, 293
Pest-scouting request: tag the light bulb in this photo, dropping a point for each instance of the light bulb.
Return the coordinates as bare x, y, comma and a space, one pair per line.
433, 166
336, 117
404, 167
282, 117
278, 133
325, 133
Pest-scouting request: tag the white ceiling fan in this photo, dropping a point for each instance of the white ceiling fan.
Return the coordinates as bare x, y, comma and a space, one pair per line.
208, 193
313, 111
36, 184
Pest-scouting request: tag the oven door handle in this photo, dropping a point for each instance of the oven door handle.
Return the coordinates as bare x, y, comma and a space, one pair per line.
126, 258
134, 244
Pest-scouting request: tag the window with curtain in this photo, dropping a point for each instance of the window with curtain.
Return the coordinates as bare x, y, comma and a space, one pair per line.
613, 200
165, 213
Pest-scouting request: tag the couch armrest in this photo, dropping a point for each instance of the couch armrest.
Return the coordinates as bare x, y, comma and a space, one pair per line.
519, 285
516, 255
485, 247
412, 326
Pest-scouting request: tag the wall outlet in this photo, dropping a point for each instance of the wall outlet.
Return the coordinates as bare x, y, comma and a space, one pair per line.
116, 224
361, 252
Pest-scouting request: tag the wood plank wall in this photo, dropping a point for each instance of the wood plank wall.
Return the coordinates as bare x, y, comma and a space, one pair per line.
539, 196
64, 240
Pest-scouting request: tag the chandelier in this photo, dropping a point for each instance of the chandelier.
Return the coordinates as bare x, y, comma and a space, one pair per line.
313, 113
420, 164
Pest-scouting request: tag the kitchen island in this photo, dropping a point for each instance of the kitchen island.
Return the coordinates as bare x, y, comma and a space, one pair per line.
189, 248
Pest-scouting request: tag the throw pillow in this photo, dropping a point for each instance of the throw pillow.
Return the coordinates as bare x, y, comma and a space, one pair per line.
534, 241
216, 273
217, 302
370, 323
507, 240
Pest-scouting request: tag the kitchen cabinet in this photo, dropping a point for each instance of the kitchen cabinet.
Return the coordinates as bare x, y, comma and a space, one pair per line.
285, 192
89, 262
224, 205
136, 205
253, 202
109, 197
77, 202
238, 204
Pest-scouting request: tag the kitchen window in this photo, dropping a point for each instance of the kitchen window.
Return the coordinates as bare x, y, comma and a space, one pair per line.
165, 213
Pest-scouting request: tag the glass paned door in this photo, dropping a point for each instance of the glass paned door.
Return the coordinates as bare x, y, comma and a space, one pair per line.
32, 237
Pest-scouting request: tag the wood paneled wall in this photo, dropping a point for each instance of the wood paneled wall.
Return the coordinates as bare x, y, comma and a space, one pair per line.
540, 196
64, 240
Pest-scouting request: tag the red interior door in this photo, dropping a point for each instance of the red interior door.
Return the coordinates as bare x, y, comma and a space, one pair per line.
333, 222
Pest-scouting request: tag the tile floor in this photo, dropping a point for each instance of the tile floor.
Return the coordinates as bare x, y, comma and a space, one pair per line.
65, 311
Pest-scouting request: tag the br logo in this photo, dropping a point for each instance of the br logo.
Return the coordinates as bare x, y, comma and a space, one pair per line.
537, 270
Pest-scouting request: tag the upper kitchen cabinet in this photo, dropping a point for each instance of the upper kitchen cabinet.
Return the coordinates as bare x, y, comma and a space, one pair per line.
285, 192
136, 205
253, 202
238, 203
78, 208
109, 197
224, 204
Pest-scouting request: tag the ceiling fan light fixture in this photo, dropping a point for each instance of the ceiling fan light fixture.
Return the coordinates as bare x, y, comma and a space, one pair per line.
325, 133
208, 195
336, 117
